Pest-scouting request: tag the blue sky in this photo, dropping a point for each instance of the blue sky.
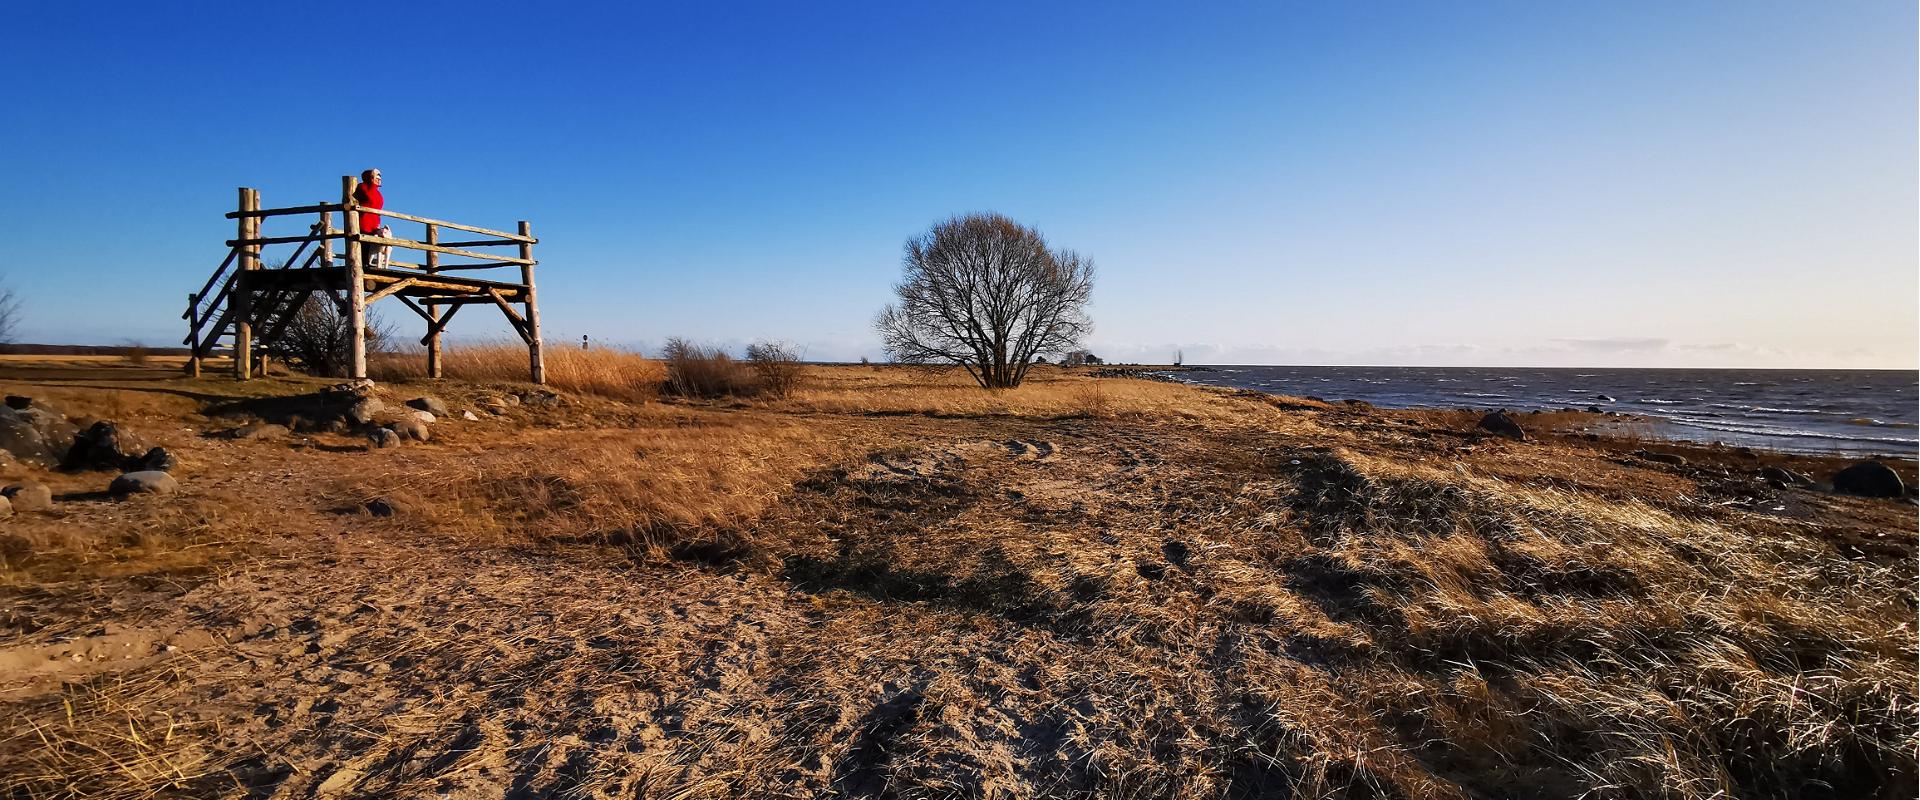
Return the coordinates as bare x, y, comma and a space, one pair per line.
1523, 183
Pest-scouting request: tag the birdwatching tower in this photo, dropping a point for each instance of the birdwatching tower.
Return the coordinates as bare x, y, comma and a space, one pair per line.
248, 307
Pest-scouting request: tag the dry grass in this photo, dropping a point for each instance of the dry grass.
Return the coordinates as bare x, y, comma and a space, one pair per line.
609, 373
894, 584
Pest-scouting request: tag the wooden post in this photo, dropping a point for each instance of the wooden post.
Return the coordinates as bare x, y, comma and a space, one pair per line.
193, 335
433, 312
537, 361
241, 299
326, 245
356, 280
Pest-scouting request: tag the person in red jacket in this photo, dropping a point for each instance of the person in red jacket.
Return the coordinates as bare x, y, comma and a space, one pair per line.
368, 196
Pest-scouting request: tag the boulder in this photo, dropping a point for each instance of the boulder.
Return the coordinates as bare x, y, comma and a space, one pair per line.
1660, 458
262, 431
349, 392
19, 403
363, 410
423, 416
1604, 398
105, 445
412, 429
1499, 424
382, 438
29, 496
156, 460
147, 482
1869, 479
429, 404
496, 409
1595, 410
36, 434
511, 400
1781, 476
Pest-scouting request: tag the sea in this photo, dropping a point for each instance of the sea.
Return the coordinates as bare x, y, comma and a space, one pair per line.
1852, 412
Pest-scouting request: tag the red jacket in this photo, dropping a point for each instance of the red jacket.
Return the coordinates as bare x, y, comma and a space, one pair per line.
368, 196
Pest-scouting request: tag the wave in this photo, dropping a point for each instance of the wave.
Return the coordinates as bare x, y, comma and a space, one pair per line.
1768, 409
1655, 401
1485, 394
1878, 423
1798, 434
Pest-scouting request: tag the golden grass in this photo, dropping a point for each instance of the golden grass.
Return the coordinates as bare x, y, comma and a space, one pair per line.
610, 373
884, 582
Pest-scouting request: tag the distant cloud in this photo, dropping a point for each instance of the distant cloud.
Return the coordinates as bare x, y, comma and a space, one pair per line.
1618, 344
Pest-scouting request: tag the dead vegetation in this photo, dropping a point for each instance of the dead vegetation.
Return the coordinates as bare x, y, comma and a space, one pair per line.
894, 584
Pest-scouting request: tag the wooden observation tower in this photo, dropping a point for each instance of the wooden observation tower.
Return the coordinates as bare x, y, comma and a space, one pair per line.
252, 306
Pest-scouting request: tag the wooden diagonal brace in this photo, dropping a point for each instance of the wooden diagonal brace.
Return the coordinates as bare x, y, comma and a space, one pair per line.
434, 327
416, 309
390, 289
519, 323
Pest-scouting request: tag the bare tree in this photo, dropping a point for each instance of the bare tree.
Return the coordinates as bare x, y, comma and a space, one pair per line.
985, 292
319, 338
9, 314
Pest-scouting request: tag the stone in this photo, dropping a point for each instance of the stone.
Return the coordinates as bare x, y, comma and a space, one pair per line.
1783, 477
350, 391
511, 400
261, 431
496, 409
148, 482
157, 459
424, 416
363, 410
469, 416
105, 445
429, 404
1499, 424
1660, 458
412, 429
6, 508
382, 507
1595, 410
383, 438
1604, 398
19, 403
29, 496
1869, 479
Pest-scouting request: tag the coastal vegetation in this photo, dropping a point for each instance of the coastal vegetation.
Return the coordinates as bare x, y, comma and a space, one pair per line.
887, 582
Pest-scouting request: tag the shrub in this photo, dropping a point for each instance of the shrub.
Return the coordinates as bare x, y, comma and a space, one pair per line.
606, 372
776, 366
695, 370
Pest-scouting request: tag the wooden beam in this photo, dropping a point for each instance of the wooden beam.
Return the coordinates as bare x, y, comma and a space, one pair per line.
434, 248
389, 289
480, 243
282, 239
356, 282
415, 308
240, 303
275, 212
456, 226
432, 313
513, 317
439, 325
536, 357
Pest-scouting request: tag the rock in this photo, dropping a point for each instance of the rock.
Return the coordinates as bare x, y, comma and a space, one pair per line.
424, 416
511, 400
383, 438
156, 460
1781, 478
1594, 410
29, 496
1745, 452
148, 482
363, 410
1660, 458
20, 436
469, 416
261, 431
429, 404
1605, 398
382, 507
105, 445
6, 508
1869, 479
496, 409
346, 393
1359, 404
1499, 424
412, 429
19, 403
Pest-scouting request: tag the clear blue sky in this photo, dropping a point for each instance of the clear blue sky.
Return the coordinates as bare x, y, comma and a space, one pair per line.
1619, 183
